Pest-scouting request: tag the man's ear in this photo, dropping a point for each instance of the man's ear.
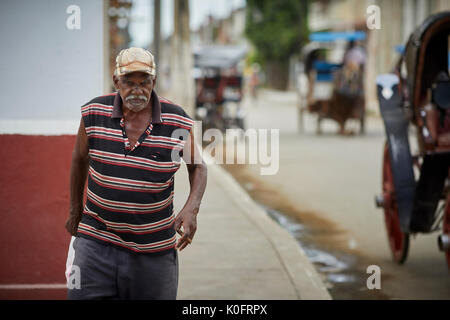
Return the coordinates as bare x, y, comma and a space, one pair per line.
154, 82
116, 82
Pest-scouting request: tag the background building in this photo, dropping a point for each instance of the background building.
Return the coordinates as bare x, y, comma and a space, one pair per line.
53, 60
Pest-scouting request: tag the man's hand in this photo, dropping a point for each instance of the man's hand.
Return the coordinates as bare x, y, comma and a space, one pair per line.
187, 218
72, 224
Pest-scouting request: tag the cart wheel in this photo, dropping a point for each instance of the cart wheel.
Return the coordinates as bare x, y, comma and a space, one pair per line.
398, 240
446, 227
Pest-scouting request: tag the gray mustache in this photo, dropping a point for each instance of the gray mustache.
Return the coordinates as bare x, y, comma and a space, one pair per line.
141, 97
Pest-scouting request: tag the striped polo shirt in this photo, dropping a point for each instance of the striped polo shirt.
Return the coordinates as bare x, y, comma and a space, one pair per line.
130, 188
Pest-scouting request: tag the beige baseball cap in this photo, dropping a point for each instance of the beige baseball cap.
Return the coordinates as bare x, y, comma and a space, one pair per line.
134, 60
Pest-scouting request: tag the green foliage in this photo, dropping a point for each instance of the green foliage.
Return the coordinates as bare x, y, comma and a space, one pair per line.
277, 28
253, 57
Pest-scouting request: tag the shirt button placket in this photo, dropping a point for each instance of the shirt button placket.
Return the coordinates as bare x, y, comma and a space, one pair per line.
124, 134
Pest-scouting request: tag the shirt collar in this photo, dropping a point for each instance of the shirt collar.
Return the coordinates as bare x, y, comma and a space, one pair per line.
156, 107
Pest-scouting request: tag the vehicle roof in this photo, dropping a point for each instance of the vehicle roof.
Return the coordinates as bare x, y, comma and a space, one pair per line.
337, 35
218, 56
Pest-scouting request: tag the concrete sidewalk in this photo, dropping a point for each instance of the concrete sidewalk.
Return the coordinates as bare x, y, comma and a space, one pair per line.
238, 252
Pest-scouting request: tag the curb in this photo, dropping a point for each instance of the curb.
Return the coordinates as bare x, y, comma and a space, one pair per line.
304, 278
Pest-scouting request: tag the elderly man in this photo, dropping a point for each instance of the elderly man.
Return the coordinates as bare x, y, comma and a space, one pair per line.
129, 145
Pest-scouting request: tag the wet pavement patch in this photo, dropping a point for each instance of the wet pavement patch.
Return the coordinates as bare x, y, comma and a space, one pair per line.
342, 269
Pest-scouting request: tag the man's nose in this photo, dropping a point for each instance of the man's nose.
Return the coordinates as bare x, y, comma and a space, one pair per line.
137, 89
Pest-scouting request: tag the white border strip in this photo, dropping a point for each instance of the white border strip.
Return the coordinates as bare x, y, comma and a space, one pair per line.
33, 286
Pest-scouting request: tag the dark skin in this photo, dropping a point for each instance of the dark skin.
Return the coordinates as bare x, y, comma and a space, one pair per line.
136, 122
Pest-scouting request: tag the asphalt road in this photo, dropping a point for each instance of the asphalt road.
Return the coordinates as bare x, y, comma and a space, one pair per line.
329, 183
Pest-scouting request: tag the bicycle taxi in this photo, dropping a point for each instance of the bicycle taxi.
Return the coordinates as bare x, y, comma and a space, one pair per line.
219, 86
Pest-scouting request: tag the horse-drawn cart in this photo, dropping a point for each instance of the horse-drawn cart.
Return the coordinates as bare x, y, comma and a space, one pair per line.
415, 187
331, 81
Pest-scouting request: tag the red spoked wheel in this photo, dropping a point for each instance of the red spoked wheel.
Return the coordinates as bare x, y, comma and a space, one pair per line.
398, 240
446, 227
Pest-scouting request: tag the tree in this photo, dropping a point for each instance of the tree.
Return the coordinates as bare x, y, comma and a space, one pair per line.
277, 29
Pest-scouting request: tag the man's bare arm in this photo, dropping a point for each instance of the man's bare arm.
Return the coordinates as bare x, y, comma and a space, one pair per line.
78, 174
187, 218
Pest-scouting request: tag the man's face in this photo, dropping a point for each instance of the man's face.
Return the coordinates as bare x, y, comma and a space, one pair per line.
135, 89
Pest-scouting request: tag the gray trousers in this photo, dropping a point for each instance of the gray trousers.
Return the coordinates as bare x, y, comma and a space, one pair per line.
101, 271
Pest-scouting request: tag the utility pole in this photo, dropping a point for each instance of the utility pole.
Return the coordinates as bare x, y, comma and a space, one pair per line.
182, 84
157, 34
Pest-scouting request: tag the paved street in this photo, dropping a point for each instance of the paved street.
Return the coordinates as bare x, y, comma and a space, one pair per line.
238, 252
331, 182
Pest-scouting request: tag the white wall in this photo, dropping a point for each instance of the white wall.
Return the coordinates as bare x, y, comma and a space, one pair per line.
48, 71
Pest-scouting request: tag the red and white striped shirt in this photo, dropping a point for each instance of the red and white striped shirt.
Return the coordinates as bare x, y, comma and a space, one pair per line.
130, 188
